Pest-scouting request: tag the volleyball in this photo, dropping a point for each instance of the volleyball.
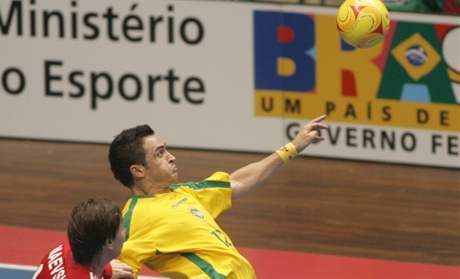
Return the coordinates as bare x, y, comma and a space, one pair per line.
363, 23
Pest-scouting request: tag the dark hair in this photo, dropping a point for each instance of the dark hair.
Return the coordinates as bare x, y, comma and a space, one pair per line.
127, 149
92, 224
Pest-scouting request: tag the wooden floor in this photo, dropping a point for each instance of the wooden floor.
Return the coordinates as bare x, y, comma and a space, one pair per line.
314, 205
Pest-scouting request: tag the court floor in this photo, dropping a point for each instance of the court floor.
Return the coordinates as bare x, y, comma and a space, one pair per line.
18, 260
17, 271
316, 218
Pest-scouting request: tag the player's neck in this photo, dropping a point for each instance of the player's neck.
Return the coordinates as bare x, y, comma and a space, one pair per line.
97, 267
150, 189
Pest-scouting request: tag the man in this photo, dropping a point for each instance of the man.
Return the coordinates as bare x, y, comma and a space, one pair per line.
95, 236
170, 227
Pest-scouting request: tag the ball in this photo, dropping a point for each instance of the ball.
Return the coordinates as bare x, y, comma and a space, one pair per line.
363, 23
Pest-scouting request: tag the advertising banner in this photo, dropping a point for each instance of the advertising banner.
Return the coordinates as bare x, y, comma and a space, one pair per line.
229, 76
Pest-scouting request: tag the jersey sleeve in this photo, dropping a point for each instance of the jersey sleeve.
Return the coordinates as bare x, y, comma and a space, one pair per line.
214, 193
128, 255
139, 246
136, 252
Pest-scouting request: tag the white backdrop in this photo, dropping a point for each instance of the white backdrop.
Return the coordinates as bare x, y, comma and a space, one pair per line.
222, 60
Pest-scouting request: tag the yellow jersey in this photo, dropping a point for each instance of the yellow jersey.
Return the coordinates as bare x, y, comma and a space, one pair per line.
175, 233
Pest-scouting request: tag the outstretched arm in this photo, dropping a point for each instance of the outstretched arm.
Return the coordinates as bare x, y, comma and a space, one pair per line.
256, 173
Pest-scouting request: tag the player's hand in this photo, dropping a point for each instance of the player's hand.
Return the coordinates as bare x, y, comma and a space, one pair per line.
310, 133
120, 270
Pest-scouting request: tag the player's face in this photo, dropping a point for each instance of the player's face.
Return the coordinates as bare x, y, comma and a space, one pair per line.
161, 165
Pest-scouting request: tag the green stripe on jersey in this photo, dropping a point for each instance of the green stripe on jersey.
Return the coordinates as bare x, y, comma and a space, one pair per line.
203, 265
201, 185
129, 214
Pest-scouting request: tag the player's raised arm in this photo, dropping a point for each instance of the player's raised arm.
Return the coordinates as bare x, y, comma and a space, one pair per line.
251, 175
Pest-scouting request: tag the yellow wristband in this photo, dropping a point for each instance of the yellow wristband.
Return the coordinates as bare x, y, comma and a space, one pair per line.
287, 152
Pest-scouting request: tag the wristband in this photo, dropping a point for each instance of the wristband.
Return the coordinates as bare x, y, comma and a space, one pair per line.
287, 152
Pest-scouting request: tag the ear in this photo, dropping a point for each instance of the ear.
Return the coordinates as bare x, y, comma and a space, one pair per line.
109, 244
137, 171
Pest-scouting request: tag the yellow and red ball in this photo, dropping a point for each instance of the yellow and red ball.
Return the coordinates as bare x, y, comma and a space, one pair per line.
363, 23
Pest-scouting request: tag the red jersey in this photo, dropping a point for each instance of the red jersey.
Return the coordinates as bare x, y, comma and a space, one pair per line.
59, 264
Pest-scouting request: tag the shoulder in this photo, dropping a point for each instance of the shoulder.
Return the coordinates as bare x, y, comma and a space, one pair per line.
216, 180
53, 263
59, 263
